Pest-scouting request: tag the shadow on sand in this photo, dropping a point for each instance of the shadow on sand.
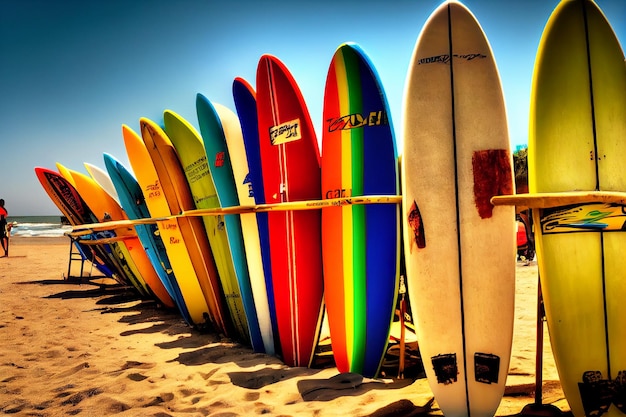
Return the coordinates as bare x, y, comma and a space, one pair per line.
203, 348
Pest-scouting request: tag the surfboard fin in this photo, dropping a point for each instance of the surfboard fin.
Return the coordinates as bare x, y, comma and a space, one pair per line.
598, 393
445, 367
486, 367
619, 395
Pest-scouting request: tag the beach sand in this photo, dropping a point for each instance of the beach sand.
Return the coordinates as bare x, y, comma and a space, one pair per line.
92, 348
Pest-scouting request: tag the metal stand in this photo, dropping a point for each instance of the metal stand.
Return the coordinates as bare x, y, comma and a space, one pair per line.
402, 292
75, 255
537, 408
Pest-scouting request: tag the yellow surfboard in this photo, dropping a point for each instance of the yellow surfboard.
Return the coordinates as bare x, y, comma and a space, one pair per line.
577, 142
192, 155
174, 186
170, 230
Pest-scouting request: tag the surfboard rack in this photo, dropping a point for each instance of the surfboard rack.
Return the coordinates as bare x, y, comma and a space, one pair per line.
550, 200
78, 255
86, 229
75, 255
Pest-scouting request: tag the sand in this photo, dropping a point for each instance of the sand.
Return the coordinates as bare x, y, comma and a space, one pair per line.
92, 348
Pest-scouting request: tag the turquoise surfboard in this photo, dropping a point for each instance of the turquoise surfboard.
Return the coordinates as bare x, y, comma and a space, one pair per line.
220, 166
190, 150
134, 204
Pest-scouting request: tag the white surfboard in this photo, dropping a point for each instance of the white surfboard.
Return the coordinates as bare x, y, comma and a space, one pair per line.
234, 141
459, 249
102, 178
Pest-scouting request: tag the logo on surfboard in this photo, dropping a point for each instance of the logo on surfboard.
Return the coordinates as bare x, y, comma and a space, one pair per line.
445, 58
153, 190
593, 217
198, 169
68, 194
285, 132
356, 120
338, 193
220, 157
247, 180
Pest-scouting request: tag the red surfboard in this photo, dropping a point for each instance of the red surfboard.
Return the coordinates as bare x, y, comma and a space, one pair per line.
290, 162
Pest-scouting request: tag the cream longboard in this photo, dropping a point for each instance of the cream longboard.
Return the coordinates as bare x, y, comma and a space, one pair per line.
459, 248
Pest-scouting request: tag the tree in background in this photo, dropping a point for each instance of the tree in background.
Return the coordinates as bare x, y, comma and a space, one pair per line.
525, 246
520, 166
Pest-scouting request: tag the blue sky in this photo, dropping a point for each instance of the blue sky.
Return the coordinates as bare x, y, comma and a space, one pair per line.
72, 72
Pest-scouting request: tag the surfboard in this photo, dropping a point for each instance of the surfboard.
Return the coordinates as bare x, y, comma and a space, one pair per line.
130, 247
245, 104
459, 249
119, 250
171, 230
223, 140
65, 173
176, 189
290, 162
134, 205
68, 201
190, 150
360, 244
577, 142
213, 131
103, 179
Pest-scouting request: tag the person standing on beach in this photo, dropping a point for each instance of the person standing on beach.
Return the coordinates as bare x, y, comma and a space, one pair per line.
4, 233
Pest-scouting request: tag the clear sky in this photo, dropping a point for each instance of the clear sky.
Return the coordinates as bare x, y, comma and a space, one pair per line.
73, 71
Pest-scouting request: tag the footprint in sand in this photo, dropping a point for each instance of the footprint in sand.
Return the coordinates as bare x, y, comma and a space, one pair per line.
43, 405
64, 388
186, 392
137, 377
51, 353
209, 374
116, 407
79, 396
163, 398
262, 408
252, 396
10, 379
15, 407
137, 365
74, 370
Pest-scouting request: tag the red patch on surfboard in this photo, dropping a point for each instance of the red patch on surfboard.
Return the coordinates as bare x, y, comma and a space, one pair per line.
492, 176
417, 227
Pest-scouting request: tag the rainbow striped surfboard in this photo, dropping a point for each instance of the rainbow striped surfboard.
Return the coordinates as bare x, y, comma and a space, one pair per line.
360, 243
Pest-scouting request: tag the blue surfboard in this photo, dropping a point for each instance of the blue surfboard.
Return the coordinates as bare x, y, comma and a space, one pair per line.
133, 202
219, 162
245, 103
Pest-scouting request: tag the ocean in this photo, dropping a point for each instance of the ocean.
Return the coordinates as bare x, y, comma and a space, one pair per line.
38, 226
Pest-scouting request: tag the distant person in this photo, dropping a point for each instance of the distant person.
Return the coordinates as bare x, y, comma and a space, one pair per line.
4, 229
